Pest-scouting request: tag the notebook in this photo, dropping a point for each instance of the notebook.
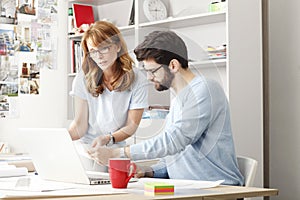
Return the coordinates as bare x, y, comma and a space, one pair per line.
55, 157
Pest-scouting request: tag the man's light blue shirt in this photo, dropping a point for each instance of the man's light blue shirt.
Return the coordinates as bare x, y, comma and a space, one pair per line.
197, 140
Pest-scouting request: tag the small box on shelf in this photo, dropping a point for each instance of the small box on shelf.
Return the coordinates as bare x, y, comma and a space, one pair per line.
71, 28
217, 6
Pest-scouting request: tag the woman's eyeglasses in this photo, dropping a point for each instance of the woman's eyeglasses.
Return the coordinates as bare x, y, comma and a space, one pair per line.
94, 54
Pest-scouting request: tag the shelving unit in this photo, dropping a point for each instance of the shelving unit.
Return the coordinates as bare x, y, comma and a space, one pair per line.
240, 74
133, 34
186, 21
209, 63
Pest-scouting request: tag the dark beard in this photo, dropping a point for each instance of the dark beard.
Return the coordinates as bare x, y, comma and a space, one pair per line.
162, 88
167, 81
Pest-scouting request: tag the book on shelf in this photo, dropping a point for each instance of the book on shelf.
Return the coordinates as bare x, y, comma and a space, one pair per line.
76, 56
72, 59
83, 14
124, 10
132, 14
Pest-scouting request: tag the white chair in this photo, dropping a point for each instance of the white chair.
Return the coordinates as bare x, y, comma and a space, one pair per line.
247, 167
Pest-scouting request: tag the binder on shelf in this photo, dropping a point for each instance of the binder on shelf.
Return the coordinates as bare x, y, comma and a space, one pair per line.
132, 15
76, 56
72, 58
83, 14
123, 9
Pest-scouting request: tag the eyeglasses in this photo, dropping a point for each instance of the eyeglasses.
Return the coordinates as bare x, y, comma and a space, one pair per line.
152, 71
94, 54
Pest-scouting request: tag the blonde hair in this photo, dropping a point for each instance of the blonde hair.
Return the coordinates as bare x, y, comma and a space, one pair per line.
102, 32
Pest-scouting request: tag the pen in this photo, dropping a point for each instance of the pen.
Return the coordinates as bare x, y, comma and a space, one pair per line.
94, 165
1, 147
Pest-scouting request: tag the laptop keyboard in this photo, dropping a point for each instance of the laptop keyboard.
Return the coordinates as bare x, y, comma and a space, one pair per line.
97, 181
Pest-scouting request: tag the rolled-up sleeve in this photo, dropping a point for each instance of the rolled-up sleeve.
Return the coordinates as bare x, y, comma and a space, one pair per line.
160, 170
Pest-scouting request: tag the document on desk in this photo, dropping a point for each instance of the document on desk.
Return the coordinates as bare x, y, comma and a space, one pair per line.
7, 170
180, 183
181, 187
33, 186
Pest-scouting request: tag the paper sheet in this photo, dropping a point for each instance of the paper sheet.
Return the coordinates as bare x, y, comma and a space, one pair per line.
82, 148
104, 190
186, 184
11, 170
33, 186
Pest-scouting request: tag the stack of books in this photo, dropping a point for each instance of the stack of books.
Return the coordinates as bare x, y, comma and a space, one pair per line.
216, 52
7, 170
17, 160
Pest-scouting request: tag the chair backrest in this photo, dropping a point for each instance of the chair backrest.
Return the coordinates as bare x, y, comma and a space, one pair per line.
247, 167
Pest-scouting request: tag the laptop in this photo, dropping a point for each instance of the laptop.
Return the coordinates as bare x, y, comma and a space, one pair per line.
55, 157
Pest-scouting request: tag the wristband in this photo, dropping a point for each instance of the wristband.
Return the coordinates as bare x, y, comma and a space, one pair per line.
111, 140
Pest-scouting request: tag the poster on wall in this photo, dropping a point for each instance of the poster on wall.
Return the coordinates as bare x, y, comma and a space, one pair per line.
45, 34
29, 79
23, 34
9, 107
6, 40
26, 7
8, 11
8, 72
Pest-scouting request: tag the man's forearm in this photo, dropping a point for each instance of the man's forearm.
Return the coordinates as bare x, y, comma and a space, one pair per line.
127, 152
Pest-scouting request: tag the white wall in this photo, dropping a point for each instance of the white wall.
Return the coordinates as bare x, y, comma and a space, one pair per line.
284, 44
48, 109
245, 80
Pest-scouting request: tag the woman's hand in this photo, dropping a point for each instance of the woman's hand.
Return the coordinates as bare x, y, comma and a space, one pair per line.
102, 154
101, 140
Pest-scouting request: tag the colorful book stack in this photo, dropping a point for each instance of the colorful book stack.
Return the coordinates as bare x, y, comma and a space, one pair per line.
158, 188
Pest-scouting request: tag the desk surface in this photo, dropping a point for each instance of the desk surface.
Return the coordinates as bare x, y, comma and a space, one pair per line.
220, 192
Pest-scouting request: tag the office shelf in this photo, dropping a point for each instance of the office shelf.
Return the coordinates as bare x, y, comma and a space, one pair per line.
186, 21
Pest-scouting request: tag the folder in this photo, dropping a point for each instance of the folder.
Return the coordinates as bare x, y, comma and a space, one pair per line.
83, 14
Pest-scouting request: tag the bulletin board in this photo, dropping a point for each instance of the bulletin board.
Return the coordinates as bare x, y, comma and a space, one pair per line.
28, 43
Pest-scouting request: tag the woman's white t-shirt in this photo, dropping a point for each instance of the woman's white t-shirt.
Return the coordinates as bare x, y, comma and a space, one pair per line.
108, 112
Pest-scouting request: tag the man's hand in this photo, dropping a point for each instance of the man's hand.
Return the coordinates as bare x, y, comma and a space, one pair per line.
102, 154
143, 171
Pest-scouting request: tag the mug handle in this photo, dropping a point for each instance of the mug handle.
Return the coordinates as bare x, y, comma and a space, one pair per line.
132, 172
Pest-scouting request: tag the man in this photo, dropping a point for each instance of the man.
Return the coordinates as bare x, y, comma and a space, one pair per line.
197, 140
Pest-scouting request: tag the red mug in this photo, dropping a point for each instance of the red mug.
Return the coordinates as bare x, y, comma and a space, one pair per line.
121, 171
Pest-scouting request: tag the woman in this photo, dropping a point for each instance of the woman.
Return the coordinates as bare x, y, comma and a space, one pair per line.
110, 96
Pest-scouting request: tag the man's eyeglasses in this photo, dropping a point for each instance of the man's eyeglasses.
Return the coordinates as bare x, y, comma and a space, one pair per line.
152, 71
94, 54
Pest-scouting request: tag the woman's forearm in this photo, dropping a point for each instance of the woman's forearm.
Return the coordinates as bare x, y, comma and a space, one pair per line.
77, 131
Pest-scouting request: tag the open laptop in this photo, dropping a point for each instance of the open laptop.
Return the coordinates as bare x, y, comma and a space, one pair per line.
55, 157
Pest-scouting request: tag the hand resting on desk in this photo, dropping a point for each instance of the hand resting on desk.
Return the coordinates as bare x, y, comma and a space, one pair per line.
102, 154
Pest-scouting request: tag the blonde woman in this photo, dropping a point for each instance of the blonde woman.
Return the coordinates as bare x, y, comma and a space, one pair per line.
109, 93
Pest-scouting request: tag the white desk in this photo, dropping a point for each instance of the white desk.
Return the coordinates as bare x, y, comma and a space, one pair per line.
220, 192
